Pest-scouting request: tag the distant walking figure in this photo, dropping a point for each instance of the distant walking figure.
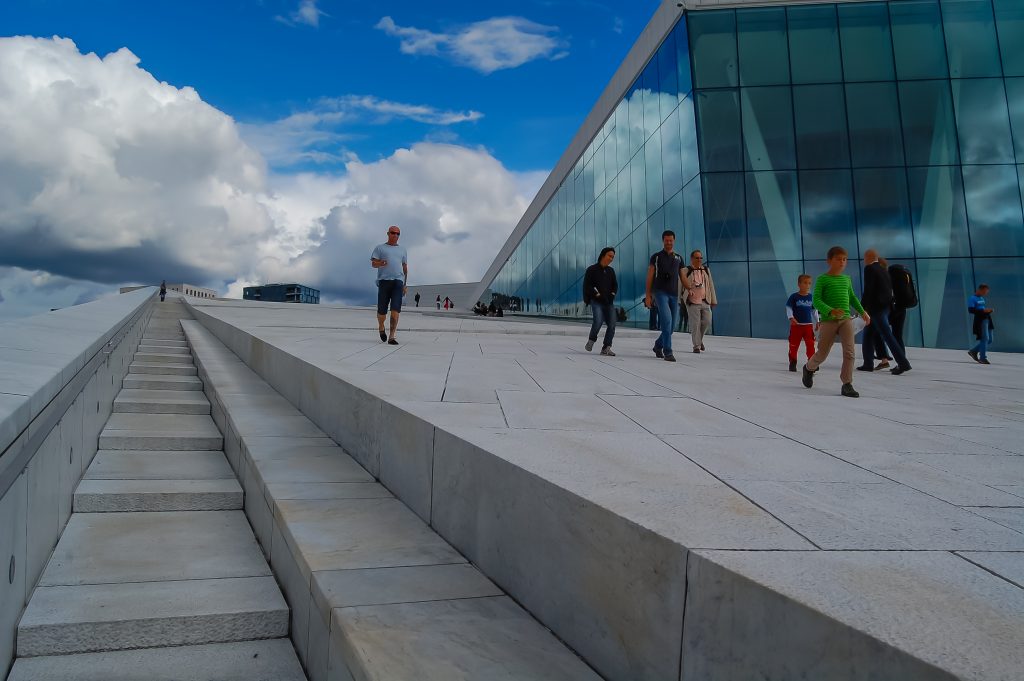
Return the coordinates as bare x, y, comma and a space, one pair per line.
439, 302
447, 302
392, 264
982, 325
163, 290
417, 299
599, 289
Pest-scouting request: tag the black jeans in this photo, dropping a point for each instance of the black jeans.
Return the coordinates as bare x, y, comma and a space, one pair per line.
604, 313
897, 318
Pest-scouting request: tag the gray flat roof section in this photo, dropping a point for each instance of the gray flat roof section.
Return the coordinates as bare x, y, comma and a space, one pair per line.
631, 504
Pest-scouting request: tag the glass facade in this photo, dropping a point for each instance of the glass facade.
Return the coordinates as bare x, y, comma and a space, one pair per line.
282, 293
764, 136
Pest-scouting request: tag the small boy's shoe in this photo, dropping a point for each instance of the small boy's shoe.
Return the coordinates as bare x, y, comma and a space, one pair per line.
792, 365
983, 361
865, 367
808, 377
590, 345
670, 358
658, 353
607, 351
974, 355
848, 391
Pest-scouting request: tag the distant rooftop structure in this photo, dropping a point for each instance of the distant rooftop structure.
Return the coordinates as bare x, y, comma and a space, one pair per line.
282, 293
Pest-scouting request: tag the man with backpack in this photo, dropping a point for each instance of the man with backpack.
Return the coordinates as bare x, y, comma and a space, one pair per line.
877, 300
904, 297
699, 298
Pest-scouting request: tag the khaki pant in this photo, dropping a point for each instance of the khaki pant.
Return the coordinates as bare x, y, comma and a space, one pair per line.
828, 330
699, 320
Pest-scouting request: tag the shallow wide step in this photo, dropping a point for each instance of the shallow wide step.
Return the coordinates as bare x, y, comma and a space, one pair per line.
162, 369
164, 342
161, 402
161, 431
161, 382
166, 349
162, 334
156, 465
163, 358
269, 660
111, 496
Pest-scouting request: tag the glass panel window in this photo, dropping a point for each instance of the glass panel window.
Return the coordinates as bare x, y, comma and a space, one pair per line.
971, 43
693, 215
1006, 279
671, 156
943, 287
821, 137
883, 211
1010, 28
672, 216
638, 189
636, 121
625, 217
917, 39
937, 212
725, 216
732, 315
814, 44
928, 128
683, 57
982, 121
652, 162
768, 128
866, 41
713, 43
826, 210
718, 127
763, 51
994, 210
773, 216
600, 181
771, 284
1015, 103
688, 140
668, 79
875, 135
652, 98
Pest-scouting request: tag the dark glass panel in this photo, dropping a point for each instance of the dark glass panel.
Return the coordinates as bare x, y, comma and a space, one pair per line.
693, 215
1006, 277
971, 43
826, 211
928, 125
688, 140
883, 211
671, 216
725, 216
814, 44
621, 133
1015, 103
732, 315
770, 286
994, 210
638, 267
821, 137
652, 98
943, 287
866, 41
625, 217
917, 39
982, 121
600, 180
937, 212
713, 48
668, 78
1010, 28
655, 226
652, 162
671, 157
874, 115
763, 51
773, 216
601, 222
683, 57
638, 188
577, 198
768, 128
718, 127
626, 276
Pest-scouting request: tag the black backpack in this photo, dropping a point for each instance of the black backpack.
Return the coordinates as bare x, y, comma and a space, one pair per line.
903, 292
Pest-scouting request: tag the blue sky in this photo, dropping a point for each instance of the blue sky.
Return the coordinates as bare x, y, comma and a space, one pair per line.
240, 141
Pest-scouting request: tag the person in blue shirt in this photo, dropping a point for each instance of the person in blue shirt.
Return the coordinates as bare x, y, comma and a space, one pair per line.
803, 319
392, 265
982, 325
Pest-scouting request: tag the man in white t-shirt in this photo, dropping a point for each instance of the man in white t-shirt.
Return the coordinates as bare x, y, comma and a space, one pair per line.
392, 265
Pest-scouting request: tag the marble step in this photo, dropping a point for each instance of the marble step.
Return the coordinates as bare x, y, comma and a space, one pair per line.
164, 342
163, 358
156, 465
166, 349
153, 382
187, 432
110, 496
162, 369
268, 660
161, 402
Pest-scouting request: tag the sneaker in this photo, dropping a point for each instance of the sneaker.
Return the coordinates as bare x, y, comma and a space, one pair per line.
792, 365
658, 353
670, 358
896, 371
974, 355
808, 377
696, 351
848, 391
865, 367
589, 345
383, 336
392, 342
607, 351
884, 364
983, 361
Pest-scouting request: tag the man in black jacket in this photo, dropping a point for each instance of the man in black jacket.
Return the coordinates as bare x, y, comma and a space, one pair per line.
599, 289
877, 301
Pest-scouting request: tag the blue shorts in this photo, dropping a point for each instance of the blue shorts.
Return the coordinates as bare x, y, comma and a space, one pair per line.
389, 292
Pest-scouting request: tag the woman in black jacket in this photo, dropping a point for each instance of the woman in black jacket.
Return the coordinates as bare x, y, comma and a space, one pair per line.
599, 289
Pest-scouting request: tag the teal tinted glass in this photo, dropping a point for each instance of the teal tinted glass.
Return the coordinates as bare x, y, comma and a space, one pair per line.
718, 115
883, 211
772, 282
767, 117
732, 286
971, 44
668, 76
875, 135
652, 164
638, 188
713, 48
652, 98
671, 156
1015, 103
725, 216
814, 44
917, 39
866, 42
929, 132
982, 120
688, 140
683, 75
693, 215
937, 212
821, 136
1010, 29
994, 210
1006, 279
773, 216
943, 286
826, 210
763, 52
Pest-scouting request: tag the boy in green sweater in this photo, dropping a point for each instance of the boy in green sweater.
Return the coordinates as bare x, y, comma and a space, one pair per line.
833, 296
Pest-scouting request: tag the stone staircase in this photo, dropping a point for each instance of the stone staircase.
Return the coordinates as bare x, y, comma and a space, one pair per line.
158, 574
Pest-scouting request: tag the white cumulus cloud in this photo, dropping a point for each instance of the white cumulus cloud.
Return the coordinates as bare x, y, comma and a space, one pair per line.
306, 13
487, 46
